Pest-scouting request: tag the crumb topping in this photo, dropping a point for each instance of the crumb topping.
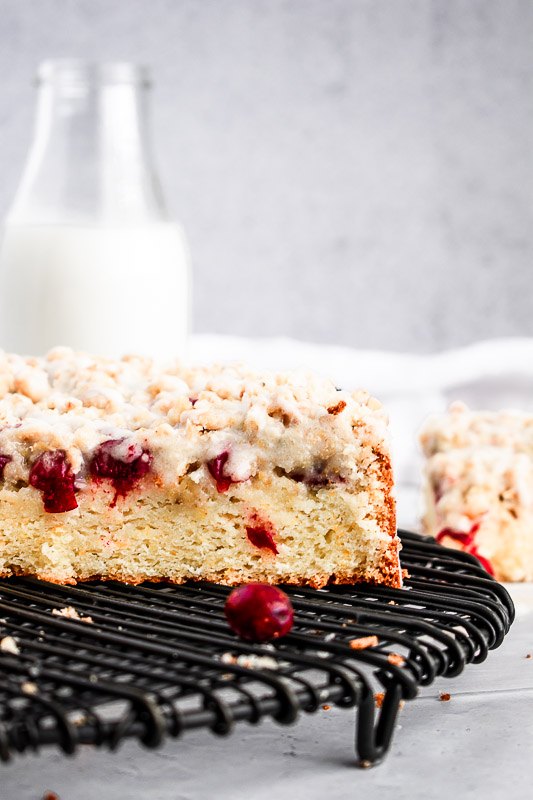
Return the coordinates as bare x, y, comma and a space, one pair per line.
180, 419
463, 428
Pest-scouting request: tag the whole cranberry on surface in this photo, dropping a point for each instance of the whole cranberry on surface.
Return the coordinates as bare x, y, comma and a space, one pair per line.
258, 612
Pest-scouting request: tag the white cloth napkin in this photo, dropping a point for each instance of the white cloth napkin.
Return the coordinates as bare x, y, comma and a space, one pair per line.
492, 374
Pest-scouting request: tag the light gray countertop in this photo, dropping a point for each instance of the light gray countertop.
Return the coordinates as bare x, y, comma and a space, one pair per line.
477, 745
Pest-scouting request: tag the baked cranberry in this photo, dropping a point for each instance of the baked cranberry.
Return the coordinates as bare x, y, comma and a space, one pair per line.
314, 478
123, 465
52, 475
466, 539
262, 536
257, 612
485, 563
4, 461
216, 469
317, 476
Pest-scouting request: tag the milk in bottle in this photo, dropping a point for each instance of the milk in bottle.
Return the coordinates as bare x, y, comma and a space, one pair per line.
88, 256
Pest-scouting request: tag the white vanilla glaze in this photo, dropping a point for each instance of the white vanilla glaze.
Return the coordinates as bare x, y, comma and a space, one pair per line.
184, 416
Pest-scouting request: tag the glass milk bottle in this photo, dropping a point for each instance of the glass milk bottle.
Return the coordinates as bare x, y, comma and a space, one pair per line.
88, 257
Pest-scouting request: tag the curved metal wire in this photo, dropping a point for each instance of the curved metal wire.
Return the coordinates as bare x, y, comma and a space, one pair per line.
159, 660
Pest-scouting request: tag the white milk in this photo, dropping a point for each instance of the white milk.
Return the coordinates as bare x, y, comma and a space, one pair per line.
106, 290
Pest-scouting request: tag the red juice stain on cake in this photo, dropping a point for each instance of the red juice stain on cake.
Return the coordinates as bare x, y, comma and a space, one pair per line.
257, 612
216, 469
52, 475
4, 461
467, 540
124, 471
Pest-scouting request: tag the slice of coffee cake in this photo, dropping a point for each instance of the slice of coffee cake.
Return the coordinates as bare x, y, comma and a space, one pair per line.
126, 470
479, 487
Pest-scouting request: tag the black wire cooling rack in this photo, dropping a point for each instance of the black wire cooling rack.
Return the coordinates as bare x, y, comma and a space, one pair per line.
157, 660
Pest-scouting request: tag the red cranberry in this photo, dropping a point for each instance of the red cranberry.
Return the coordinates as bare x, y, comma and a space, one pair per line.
257, 612
466, 539
123, 469
262, 536
316, 476
485, 563
216, 468
52, 476
4, 461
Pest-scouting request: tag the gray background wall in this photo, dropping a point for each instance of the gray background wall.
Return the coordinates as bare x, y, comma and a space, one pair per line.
355, 171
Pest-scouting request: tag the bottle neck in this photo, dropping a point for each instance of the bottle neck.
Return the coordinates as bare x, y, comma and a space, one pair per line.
90, 160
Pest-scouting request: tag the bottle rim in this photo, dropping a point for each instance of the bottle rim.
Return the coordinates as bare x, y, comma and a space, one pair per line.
74, 71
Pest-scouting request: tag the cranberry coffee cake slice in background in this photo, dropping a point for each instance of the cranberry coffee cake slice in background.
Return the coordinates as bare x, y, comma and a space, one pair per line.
130, 471
479, 487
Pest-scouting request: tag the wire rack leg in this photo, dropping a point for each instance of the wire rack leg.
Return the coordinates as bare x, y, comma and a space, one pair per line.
372, 740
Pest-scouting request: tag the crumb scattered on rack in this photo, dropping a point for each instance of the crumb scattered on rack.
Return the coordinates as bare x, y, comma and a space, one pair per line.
364, 642
396, 659
379, 698
445, 696
365, 763
71, 613
9, 645
28, 687
392, 603
250, 661
78, 718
